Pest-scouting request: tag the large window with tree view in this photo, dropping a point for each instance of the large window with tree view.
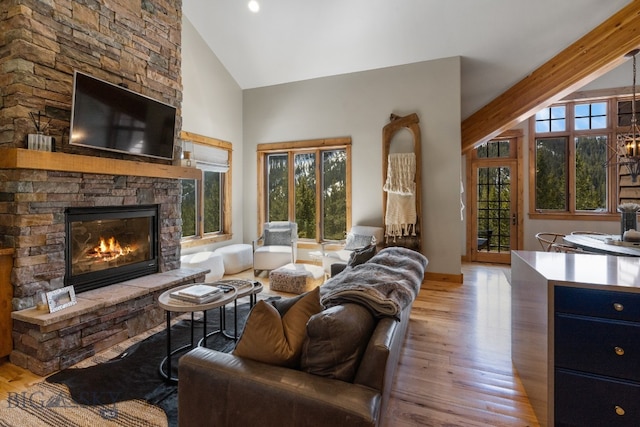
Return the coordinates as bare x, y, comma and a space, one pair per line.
308, 184
571, 154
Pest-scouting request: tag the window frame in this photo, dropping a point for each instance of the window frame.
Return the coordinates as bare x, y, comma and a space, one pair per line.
202, 238
571, 134
296, 147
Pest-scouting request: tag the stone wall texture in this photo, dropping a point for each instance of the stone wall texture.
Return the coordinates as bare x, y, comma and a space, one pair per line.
32, 217
99, 321
42, 42
131, 42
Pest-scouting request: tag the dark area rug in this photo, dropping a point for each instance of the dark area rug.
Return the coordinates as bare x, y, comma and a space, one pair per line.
134, 374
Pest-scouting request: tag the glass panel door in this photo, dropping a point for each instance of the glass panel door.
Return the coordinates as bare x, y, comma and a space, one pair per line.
495, 215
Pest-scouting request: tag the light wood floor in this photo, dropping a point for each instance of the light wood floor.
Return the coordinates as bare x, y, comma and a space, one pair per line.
455, 368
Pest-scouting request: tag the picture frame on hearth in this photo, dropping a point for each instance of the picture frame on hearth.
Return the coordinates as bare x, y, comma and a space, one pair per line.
61, 298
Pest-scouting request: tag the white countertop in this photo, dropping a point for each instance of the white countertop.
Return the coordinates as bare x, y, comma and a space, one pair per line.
608, 270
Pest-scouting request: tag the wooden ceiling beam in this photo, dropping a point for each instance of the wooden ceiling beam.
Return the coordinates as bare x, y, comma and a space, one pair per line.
596, 53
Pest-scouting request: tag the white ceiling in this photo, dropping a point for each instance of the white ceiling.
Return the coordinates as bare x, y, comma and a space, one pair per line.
500, 41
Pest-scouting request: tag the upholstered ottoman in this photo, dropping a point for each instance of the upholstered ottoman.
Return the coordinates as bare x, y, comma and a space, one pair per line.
296, 278
236, 258
205, 260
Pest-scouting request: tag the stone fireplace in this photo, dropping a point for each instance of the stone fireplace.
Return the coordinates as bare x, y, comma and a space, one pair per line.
134, 43
41, 199
55, 209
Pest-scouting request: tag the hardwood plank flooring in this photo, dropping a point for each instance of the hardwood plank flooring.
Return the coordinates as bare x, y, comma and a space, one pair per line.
455, 368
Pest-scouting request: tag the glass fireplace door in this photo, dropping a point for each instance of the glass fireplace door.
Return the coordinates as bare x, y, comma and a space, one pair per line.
106, 245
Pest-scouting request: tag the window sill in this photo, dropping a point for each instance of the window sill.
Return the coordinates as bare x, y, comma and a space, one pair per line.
193, 242
583, 216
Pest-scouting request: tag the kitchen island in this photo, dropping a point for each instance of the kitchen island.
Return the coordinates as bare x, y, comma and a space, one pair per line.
576, 336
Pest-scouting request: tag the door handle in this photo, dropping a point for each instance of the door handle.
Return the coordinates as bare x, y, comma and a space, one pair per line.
514, 219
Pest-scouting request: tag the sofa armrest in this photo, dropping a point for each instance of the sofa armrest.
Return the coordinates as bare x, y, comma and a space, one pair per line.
216, 389
380, 360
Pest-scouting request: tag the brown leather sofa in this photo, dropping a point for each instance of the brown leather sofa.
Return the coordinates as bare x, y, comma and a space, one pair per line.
221, 389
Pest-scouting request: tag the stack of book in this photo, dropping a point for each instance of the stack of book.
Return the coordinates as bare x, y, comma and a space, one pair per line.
198, 294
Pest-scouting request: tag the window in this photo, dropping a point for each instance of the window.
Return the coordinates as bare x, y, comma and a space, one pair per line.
213, 190
551, 173
552, 119
625, 112
307, 182
591, 116
206, 202
304, 182
278, 187
572, 146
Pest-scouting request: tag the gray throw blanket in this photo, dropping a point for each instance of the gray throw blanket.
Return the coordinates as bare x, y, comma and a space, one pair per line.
385, 284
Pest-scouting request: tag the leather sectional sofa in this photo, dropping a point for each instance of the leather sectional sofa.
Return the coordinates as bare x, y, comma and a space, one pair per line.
221, 389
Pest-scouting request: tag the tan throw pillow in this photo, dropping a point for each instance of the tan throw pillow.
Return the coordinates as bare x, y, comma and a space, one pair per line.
276, 340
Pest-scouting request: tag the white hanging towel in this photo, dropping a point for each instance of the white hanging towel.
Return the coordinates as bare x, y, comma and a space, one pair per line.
401, 217
401, 174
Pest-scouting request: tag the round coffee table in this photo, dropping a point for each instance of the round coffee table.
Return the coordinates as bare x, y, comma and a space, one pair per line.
173, 305
244, 288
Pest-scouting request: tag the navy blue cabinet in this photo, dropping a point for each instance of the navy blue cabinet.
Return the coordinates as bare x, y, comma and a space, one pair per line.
596, 358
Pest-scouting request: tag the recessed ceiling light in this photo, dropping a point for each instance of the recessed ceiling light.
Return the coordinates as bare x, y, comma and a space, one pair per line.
254, 6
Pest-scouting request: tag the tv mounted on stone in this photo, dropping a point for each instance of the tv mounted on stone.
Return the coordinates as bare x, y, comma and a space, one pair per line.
108, 117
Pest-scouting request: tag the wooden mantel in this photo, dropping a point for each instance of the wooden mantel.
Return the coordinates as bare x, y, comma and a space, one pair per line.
20, 158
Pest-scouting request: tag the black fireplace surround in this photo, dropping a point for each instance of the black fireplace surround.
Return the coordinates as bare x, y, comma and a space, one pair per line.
107, 245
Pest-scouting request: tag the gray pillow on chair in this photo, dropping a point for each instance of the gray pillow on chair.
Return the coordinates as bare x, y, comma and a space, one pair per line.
277, 237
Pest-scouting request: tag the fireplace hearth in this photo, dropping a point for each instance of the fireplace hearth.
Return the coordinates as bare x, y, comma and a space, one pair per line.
106, 245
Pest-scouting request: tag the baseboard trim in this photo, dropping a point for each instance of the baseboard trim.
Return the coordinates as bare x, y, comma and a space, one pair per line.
443, 277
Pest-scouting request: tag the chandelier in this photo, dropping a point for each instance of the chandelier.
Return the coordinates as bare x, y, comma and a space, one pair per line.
629, 142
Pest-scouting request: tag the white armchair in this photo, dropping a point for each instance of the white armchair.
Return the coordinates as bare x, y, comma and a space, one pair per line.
277, 246
358, 237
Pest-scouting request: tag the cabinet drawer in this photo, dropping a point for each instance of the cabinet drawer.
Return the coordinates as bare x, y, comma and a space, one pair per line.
600, 346
588, 400
591, 302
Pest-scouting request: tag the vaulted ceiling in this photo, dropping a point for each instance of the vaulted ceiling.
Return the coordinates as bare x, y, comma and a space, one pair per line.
502, 42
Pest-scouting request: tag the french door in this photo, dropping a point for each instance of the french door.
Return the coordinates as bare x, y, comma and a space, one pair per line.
493, 209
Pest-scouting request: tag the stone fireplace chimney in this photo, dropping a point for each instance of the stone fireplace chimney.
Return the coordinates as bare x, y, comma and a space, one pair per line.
136, 43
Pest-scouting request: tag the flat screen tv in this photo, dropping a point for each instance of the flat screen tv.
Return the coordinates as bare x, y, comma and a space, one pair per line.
110, 117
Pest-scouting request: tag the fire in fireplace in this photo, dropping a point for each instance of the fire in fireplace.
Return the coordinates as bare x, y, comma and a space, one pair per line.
106, 245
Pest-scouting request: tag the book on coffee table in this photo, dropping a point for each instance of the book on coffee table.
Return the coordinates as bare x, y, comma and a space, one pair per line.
199, 290
201, 300
198, 294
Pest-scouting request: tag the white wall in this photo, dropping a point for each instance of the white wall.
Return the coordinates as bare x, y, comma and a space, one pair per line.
212, 106
359, 105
